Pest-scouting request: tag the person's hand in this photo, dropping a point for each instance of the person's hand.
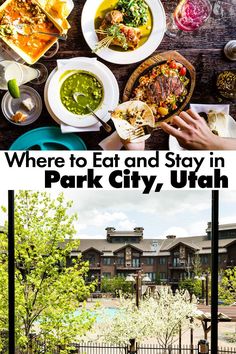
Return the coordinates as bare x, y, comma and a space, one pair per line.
192, 132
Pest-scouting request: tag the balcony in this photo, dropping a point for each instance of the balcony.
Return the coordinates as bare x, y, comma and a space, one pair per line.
130, 267
181, 266
95, 266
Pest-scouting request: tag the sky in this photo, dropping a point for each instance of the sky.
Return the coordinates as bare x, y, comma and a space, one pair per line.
180, 213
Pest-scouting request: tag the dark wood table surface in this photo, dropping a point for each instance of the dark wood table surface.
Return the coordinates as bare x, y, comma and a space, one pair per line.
203, 48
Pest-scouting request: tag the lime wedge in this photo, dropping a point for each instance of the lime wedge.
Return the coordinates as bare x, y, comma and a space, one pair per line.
13, 88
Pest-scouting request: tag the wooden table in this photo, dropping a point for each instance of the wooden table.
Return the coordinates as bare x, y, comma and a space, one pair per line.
204, 49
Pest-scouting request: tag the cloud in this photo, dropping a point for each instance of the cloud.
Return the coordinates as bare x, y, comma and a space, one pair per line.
105, 218
228, 219
177, 231
126, 224
95, 219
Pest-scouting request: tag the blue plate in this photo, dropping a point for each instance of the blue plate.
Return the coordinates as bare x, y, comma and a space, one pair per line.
48, 138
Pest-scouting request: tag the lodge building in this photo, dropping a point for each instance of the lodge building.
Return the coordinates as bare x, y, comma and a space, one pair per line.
166, 260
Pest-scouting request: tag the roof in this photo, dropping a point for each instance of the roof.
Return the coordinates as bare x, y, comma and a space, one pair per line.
222, 227
156, 247
208, 251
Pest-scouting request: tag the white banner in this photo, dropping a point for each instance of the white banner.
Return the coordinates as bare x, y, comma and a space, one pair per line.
111, 170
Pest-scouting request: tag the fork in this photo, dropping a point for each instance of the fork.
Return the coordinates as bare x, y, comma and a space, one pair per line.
139, 132
20, 28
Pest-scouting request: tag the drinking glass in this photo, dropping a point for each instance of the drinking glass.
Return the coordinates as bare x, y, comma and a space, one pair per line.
188, 16
10, 69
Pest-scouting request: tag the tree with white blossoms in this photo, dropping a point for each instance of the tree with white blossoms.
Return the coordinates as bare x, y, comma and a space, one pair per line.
158, 317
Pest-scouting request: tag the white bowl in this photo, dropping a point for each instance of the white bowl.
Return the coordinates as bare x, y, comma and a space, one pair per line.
129, 57
59, 109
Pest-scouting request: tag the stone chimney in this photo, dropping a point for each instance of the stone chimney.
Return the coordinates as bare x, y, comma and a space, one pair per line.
139, 230
171, 237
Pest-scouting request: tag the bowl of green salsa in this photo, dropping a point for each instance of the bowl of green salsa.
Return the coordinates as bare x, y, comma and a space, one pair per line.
79, 90
79, 84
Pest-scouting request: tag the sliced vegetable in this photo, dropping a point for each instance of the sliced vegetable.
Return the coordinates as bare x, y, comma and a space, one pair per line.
183, 71
13, 88
173, 64
163, 111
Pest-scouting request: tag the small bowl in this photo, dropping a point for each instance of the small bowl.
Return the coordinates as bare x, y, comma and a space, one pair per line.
11, 105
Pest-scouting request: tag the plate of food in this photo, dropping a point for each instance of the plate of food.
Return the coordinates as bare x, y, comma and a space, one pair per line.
79, 86
130, 116
20, 24
123, 31
23, 110
218, 119
165, 82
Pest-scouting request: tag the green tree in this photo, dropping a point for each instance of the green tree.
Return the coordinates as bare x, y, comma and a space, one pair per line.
227, 286
48, 291
194, 286
197, 265
116, 284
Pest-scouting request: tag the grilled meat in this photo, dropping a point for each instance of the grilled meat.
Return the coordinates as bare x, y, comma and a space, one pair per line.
163, 87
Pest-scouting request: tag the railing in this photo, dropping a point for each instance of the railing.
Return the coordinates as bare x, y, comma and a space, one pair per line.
100, 348
95, 348
155, 349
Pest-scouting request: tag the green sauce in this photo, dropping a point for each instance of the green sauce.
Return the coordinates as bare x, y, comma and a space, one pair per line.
85, 83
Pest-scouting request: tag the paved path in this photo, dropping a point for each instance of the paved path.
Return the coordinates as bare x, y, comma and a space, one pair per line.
229, 311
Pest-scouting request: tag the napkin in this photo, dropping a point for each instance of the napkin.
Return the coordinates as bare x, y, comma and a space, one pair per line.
112, 142
198, 107
67, 128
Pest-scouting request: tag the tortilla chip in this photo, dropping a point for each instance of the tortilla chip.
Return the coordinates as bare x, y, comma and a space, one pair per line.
59, 10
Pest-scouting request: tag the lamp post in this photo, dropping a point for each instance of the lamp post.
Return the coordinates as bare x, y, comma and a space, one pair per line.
137, 279
202, 278
203, 347
11, 273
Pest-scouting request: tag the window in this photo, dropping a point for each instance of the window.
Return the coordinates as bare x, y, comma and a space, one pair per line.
204, 259
162, 276
176, 262
106, 275
120, 259
106, 261
91, 258
125, 239
162, 260
152, 276
149, 261
121, 274
135, 263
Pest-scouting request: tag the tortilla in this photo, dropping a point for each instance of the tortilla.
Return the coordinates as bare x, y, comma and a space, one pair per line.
59, 10
126, 120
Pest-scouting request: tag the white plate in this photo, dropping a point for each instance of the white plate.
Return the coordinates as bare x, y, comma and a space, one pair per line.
113, 94
129, 57
173, 142
104, 76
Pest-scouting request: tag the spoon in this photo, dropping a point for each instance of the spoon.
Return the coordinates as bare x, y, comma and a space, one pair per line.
106, 126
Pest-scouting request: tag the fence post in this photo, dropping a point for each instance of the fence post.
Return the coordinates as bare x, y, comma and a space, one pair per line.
203, 347
132, 346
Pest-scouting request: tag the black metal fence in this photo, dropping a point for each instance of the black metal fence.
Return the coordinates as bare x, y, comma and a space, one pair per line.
102, 348
99, 348
95, 348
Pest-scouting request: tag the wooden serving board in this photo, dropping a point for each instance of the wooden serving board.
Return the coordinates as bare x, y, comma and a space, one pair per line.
154, 61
